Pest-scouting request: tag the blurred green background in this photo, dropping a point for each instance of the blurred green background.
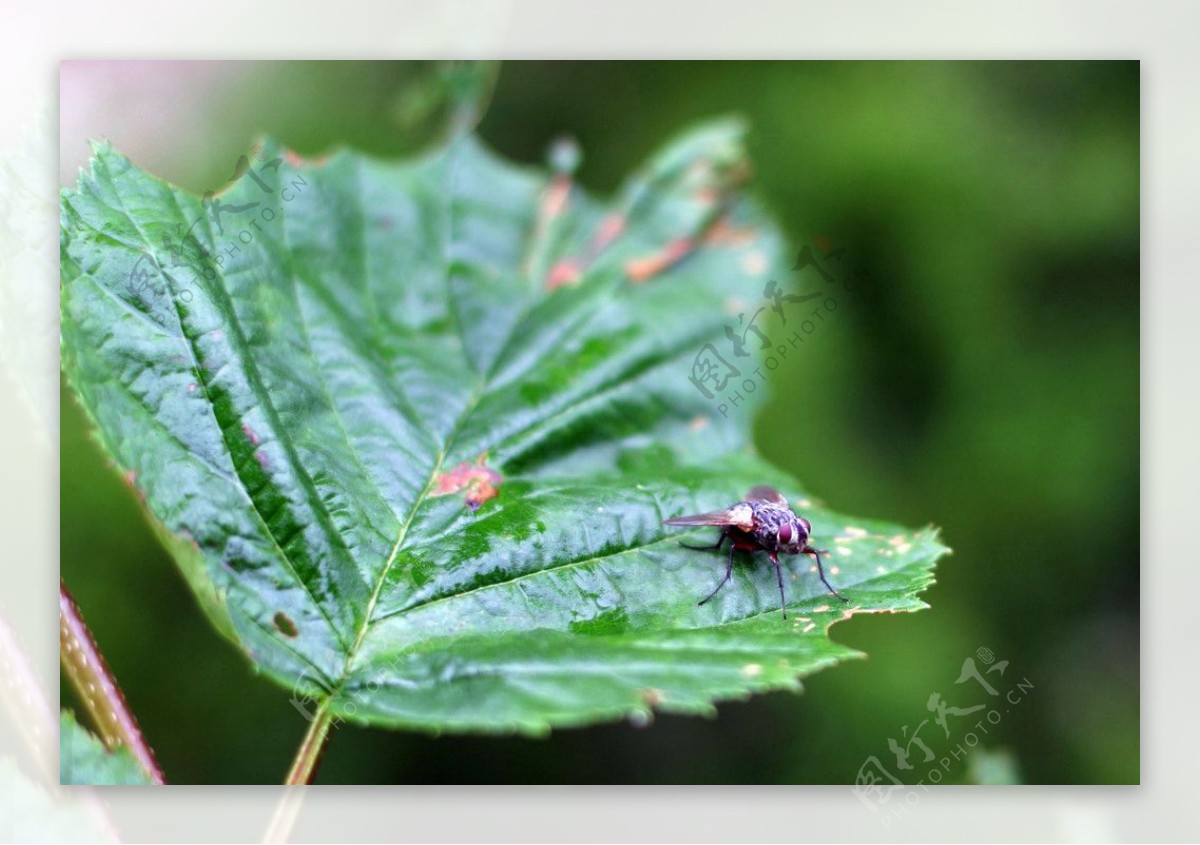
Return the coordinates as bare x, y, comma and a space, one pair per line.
986, 380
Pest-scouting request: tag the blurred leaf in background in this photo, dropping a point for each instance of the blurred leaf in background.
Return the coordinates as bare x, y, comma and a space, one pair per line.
986, 378
83, 759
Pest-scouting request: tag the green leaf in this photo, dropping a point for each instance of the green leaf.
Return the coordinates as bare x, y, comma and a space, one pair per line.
84, 760
412, 429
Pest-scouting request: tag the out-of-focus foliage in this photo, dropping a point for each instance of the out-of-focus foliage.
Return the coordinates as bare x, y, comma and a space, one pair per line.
985, 379
83, 759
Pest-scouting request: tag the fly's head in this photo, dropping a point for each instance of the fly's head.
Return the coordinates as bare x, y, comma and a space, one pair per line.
792, 535
780, 530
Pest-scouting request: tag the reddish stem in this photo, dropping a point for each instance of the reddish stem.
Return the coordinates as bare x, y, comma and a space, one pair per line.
89, 674
308, 756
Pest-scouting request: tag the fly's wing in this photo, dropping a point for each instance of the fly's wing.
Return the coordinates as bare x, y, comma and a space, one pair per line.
740, 516
763, 493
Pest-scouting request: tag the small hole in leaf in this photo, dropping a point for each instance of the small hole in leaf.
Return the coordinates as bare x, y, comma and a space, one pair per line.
285, 624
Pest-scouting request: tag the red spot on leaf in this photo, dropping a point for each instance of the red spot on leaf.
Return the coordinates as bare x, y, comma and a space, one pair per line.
480, 482
567, 271
723, 233
130, 477
261, 458
250, 435
297, 160
822, 243
610, 229
564, 272
641, 269
554, 200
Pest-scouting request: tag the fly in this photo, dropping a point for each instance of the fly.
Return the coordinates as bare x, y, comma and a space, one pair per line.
763, 522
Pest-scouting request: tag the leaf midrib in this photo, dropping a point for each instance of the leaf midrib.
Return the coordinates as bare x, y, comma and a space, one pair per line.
476, 395
189, 345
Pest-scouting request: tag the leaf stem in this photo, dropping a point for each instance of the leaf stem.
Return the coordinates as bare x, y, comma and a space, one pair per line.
90, 675
308, 755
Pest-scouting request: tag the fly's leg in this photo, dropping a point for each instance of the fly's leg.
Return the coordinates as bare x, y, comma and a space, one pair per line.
728, 572
821, 571
779, 578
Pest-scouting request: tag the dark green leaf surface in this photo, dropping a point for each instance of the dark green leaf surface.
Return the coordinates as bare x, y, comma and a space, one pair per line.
83, 759
294, 394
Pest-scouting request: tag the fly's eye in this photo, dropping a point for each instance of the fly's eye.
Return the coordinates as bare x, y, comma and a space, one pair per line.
785, 534
807, 526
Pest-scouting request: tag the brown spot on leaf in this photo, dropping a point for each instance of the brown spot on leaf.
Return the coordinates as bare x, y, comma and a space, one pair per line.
652, 697
822, 243
479, 480
285, 625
